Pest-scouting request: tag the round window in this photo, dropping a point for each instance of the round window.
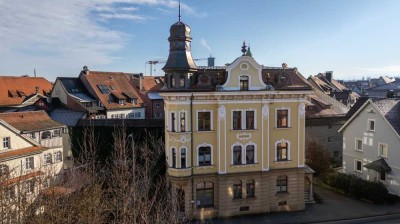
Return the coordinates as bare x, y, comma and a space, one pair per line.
244, 66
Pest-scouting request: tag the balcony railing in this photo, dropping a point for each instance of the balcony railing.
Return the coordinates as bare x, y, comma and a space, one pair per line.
52, 142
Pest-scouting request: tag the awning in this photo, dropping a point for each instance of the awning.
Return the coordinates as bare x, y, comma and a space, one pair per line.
379, 165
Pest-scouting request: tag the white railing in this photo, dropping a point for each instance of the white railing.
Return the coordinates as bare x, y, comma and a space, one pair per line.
52, 142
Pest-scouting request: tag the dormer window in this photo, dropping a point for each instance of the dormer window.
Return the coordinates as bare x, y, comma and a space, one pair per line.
133, 101
122, 102
244, 83
181, 81
172, 81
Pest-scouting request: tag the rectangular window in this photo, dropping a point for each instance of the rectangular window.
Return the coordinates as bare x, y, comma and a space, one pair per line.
30, 186
29, 163
237, 190
281, 184
358, 166
282, 151
48, 159
383, 150
329, 139
237, 155
205, 194
282, 118
173, 122
250, 154
205, 156
58, 156
250, 188
204, 121
122, 102
249, 119
33, 135
371, 125
237, 120
6, 143
183, 158
183, 121
244, 83
359, 144
382, 176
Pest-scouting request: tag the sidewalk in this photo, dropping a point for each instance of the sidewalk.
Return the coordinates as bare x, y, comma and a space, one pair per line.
334, 207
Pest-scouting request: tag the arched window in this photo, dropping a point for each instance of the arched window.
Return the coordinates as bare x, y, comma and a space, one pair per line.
281, 184
46, 135
205, 194
4, 170
282, 151
181, 81
204, 156
250, 154
183, 121
237, 189
172, 81
237, 155
183, 158
250, 188
173, 150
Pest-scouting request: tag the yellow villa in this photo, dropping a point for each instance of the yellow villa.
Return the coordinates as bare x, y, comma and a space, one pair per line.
234, 138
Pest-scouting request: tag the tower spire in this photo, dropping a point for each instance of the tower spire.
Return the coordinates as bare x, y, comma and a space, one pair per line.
179, 10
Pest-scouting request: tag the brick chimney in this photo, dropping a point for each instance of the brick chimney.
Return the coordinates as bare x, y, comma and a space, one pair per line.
328, 75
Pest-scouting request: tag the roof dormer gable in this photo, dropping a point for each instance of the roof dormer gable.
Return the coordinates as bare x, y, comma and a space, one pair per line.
244, 74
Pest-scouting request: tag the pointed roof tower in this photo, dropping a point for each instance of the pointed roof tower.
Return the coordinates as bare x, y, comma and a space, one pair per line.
180, 56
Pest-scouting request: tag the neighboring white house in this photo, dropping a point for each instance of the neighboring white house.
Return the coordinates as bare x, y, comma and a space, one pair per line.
371, 140
31, 159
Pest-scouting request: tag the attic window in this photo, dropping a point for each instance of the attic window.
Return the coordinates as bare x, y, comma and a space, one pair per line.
75, 90
157, 81
12, 93
133, 101
122, 102
103, 89
21, 93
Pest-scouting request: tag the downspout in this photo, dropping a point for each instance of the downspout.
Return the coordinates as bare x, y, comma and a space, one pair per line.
191, 145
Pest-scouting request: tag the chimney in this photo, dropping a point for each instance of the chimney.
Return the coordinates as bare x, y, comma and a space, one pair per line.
211, 61
328, 75
85, 70
141, 81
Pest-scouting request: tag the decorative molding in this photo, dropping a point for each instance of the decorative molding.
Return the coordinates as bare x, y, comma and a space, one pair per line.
243, 136
184, 137
265, 111
302, 109
244, 66
222, 112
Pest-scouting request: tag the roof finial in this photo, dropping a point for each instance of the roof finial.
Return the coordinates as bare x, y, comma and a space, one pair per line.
244, 48
179, 10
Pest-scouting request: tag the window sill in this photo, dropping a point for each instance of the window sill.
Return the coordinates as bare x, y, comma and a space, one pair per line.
358, 150
237, 199
244, 129
243, 165
206, 207
205, 131
204, 167
251, 198
283, 128
282, 193
357, 171
283, 161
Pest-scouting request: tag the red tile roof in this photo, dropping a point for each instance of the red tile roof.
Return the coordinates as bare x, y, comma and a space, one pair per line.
116, 83
21, 178
14, 89
152, 83
30, 120
22, 152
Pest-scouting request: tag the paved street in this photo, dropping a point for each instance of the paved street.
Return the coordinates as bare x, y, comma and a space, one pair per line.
334, 207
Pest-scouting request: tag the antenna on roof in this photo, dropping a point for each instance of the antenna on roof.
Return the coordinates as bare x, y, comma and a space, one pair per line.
179, 10
34, 72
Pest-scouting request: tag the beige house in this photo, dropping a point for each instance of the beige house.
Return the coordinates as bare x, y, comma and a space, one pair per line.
31, 158
234, 144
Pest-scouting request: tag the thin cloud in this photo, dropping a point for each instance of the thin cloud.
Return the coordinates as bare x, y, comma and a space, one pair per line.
205, 44
385, 69
58, 36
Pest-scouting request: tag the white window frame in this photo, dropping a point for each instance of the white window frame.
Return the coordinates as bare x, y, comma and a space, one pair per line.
211, 120
379, 149
170, 121
186, 157
7, 140
369, 125
276, 117
276, 150
58, 156
355, 166
355, 146
248, 82
186, 120
255, 152
241, 148
27, 161
244, 118
45, 157
212, 153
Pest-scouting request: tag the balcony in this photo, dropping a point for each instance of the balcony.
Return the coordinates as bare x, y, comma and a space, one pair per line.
179, 172
52, 142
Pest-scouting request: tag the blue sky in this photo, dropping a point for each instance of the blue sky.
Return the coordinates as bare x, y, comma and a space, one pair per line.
353, 38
